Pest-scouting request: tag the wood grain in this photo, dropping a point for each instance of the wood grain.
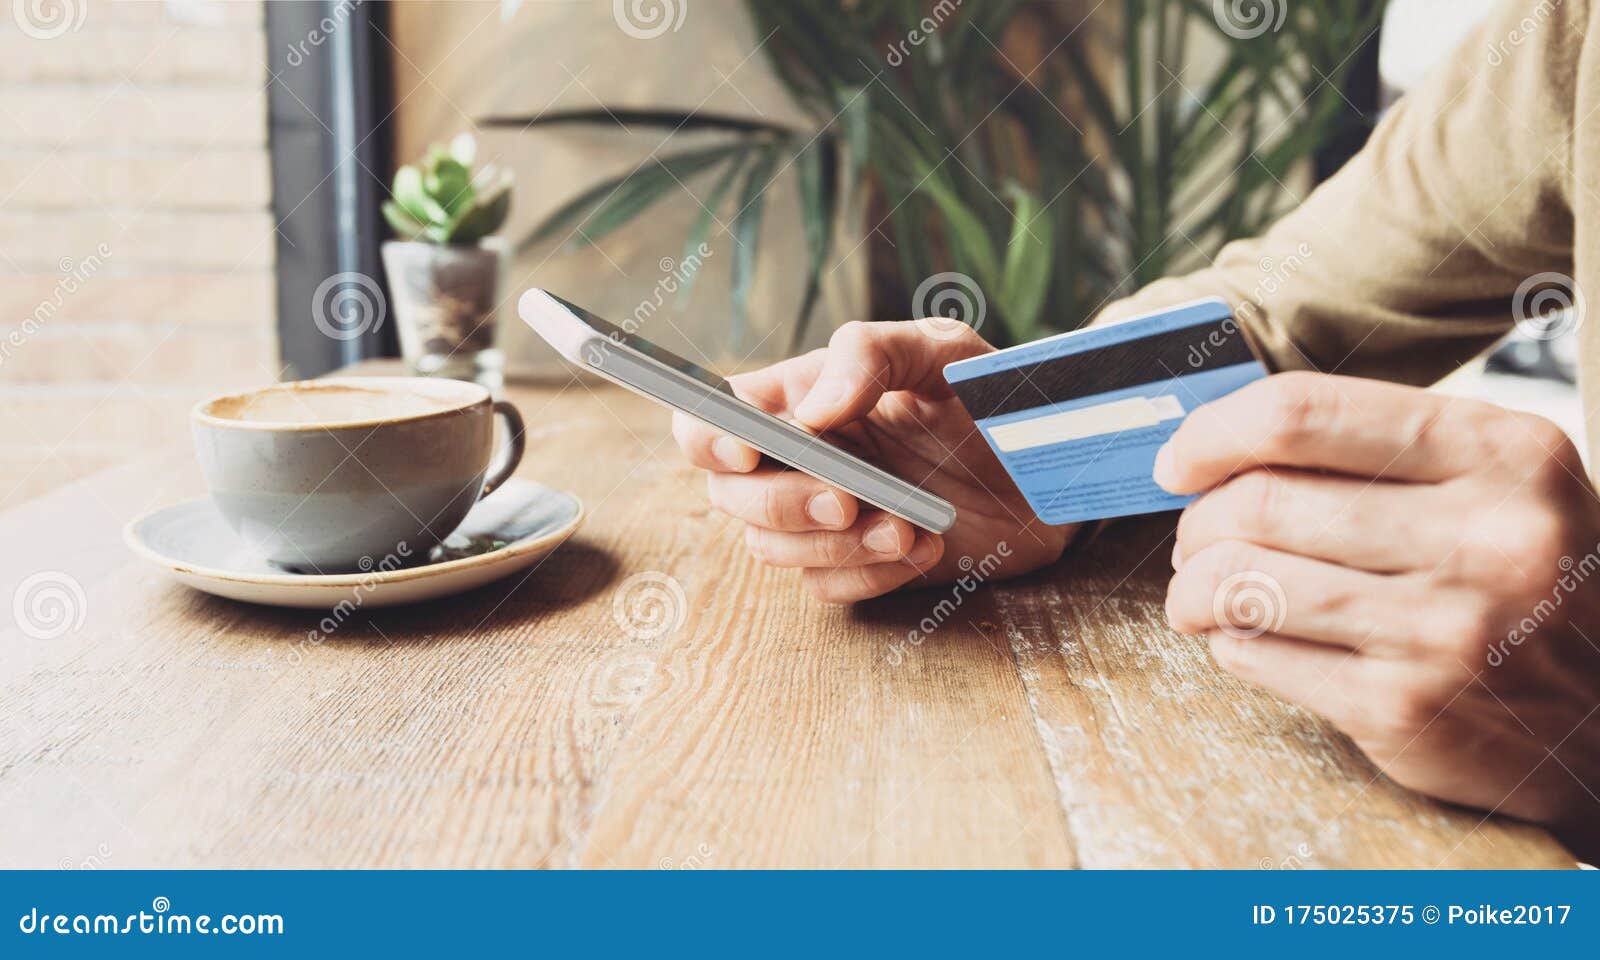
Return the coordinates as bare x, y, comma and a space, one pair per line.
1048, 722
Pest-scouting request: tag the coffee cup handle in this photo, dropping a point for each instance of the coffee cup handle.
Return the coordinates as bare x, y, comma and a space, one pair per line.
511, 454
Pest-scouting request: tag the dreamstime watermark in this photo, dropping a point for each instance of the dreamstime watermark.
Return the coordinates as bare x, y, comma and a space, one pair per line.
72, 276
974, 574
922, 32
946, 304
1548, 306
699, 860
1248, 19
158, 920
371, 570
49, 605
1574, 572
674, 275
301, 50
1275, 276
94, 861
648, 19
1248, 604
649, 605
348, 305
620, 681
1522, 31
49, 19
1294, 861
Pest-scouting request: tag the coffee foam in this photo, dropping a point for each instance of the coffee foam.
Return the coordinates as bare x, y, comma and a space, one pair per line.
329, 403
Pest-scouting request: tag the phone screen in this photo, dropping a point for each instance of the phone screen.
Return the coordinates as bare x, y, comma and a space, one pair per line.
620, 335
617, 353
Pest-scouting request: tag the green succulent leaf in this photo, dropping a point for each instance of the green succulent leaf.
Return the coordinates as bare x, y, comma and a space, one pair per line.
403, 224
442, 201
410, 194
449, 183
484, 218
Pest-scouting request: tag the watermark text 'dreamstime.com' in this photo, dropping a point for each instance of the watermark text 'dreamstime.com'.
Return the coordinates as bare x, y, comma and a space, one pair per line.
74, 276
158, 920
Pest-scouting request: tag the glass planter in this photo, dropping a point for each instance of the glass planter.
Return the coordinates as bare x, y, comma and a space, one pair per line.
445, 300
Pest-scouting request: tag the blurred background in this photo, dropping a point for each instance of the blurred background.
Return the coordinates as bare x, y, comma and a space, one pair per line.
192, 192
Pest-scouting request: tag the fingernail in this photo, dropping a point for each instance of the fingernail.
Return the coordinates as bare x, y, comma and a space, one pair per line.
821, 401
729, 452
826, 509
883, 538
923, 551
1164, 473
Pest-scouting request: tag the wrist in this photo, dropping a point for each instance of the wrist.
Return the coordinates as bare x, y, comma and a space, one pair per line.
1575, 821
1581, 836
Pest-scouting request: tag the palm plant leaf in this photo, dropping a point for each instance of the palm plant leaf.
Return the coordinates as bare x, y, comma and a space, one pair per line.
701, 231
855, 124
817, 164
671, 120
1056, 188
747, 234
1025, 279
617, 201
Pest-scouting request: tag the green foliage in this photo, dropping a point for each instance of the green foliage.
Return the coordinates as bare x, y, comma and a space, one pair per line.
1056, 187
443, 202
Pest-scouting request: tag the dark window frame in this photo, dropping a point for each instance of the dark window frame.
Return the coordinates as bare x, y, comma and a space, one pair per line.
329, 100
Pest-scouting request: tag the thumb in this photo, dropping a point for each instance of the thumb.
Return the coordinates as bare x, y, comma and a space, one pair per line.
866, 360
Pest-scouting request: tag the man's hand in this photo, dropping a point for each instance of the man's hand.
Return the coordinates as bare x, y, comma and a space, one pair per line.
1423, 571
878, 390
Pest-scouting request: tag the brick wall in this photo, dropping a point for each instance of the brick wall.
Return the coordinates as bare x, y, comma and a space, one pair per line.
136, 235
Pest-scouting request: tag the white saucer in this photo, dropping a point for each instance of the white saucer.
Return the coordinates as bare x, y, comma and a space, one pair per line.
509, 530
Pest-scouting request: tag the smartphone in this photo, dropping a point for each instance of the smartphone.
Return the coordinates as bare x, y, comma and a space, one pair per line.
630, 360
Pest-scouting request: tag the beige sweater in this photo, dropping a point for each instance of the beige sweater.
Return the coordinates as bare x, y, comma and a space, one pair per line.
1408, 261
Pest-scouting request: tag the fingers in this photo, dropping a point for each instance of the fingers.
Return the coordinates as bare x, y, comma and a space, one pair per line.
775, 389
1320, 422
778, 499
875, 538
1248, 590
866, 360
852, 584
779, 388
709, 448
1326, 680
1370, 525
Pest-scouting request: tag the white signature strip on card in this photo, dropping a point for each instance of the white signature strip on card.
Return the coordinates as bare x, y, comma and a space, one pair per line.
1114, 417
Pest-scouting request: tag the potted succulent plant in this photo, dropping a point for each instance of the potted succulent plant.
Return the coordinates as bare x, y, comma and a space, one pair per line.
444, 271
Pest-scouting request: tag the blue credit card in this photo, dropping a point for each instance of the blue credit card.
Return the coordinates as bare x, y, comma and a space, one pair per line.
1076, 419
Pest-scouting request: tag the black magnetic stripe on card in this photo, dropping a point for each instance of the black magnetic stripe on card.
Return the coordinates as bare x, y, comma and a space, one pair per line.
1131, 363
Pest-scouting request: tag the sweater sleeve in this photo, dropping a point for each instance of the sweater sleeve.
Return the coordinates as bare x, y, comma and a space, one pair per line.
1406, 263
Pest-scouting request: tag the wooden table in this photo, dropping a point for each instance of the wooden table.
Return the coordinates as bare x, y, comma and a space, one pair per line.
1050, 722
